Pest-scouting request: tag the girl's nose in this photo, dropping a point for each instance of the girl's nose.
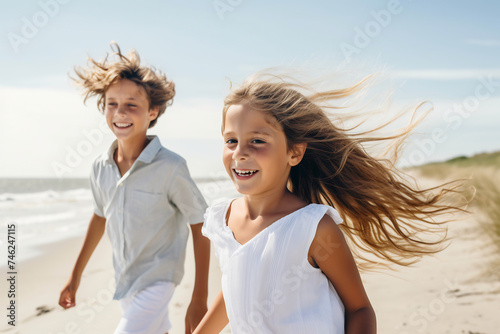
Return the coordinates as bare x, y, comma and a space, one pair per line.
241, 153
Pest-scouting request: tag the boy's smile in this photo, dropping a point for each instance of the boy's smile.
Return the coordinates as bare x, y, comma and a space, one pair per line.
127, 110
122, 125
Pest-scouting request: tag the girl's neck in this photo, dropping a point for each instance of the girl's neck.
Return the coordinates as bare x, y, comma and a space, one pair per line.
276, 201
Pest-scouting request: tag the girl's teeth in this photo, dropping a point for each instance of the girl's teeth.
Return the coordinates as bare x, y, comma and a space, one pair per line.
245, 172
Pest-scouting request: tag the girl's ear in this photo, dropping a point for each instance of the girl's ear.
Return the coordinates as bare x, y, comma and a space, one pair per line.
153, 112
297, 153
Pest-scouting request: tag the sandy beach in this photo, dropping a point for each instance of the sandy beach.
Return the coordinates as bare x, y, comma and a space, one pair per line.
40, 280
456, 291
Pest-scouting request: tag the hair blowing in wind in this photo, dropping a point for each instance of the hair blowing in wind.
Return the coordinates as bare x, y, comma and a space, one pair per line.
96, 78
386, 218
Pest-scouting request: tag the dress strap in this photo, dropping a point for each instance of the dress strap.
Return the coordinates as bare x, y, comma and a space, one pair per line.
302, 230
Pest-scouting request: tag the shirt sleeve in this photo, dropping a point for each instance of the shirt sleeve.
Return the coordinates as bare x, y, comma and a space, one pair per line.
186, 196
96, 193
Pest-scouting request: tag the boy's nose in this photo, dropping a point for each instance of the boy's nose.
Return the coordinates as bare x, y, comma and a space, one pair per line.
120, 110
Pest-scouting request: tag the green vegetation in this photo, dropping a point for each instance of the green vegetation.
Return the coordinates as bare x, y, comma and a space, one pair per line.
483, 170
481, 159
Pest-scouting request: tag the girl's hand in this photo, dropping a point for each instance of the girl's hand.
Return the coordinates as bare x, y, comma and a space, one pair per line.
67, 298
194, 314
216, 318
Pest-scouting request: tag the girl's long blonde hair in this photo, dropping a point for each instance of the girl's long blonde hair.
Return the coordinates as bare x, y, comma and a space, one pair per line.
384, 214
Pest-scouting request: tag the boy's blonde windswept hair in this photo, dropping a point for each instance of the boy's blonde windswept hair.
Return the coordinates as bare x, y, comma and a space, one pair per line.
386, 218
98, 76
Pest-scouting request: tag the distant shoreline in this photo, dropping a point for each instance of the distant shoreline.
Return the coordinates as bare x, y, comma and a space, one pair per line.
34, 185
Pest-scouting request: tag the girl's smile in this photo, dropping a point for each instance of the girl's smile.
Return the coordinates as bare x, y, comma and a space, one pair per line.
255, 155
244, 174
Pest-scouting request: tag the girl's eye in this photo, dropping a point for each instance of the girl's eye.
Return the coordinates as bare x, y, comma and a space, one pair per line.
132, 105
258, 141
231, 141
111, 104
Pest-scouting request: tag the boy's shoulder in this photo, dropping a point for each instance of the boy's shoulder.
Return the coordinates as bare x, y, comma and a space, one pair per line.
156, 153
169, 157
101, 160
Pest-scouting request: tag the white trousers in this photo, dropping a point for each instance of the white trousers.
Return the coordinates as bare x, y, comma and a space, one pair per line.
146, 312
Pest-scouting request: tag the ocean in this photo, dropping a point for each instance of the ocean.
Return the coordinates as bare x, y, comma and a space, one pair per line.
47, 210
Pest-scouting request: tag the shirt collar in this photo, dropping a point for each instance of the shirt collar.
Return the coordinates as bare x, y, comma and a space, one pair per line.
147, 155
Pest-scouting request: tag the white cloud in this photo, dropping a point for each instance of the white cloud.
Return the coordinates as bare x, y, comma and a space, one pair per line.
454, 129
447, 74
194, 118
41, 127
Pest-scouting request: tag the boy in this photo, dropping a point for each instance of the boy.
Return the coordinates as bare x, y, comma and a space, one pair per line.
144, 195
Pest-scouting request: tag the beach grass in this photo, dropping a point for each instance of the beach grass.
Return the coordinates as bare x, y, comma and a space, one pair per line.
483, 171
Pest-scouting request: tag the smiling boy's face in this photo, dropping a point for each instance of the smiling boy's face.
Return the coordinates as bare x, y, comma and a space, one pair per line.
127, 110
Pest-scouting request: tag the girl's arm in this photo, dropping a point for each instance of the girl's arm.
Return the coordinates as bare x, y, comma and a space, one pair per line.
94, 234
331, 253
216, 318
198, 306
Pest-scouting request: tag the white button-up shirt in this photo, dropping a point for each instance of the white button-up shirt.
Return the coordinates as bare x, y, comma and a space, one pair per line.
146, 212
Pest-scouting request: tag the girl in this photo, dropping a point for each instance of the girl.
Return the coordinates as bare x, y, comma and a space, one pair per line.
286, 267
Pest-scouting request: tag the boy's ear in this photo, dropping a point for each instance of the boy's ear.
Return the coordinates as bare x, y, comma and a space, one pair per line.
153, 112
297, 153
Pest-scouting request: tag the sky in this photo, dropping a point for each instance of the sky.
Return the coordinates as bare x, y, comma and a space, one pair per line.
445, 52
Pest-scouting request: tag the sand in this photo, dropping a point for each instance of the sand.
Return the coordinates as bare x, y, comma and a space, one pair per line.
41, 279
456, 291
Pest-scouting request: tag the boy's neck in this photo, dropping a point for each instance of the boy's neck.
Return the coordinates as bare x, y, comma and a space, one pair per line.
128, 151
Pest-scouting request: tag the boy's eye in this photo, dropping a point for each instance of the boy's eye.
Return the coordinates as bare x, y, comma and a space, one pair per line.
258, 141
231, 141
132, 105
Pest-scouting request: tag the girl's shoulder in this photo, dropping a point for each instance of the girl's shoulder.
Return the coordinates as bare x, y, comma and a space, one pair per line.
215, 215
320, 210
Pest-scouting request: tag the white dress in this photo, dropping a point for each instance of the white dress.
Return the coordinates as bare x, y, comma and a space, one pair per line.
268, 284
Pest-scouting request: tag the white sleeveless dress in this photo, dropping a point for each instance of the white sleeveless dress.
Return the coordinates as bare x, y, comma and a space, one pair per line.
269, 286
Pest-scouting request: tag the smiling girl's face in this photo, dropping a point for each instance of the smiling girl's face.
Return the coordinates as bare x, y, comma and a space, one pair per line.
255, 151
127, 110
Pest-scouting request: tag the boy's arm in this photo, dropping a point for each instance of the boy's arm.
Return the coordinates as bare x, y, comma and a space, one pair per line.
198, 306
94, 234
216, 318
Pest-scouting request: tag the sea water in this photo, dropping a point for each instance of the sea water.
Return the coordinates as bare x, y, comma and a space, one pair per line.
48, 210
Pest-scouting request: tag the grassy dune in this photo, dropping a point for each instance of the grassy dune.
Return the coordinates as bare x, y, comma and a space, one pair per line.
483, 170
